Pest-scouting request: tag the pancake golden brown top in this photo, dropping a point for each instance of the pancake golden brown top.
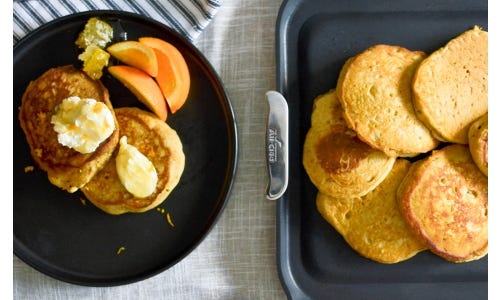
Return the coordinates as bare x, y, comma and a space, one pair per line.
374, 88
327, 111
478, 143
372, 225
65, 167
337, 162
159, 143
444, 199
451, 86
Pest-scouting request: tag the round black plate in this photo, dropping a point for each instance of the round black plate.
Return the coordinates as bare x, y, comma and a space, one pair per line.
68, 238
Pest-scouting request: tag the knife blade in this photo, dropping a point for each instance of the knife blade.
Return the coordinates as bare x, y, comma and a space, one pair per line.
277, 145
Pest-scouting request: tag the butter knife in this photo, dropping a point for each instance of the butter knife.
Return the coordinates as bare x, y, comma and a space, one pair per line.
277, 145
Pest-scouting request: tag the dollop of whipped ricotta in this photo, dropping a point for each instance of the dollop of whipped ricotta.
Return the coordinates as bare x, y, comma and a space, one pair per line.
82, 123
136, 172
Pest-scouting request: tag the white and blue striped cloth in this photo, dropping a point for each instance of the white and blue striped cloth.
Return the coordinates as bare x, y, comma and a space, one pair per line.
187, 17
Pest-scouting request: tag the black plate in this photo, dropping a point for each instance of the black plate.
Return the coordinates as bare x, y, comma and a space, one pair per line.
58, 235
314, 39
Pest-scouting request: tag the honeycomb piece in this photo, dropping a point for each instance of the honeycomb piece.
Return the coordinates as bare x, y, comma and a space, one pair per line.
94, 60
96, 32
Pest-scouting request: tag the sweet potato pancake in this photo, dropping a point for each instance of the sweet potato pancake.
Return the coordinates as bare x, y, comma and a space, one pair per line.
391, 102
337, 162
451, 86
159, 143
65, 167
374, 89
478, 143
372, 225
444, 199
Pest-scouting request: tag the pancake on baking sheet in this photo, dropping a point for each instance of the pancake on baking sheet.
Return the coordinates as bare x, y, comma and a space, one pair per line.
478, 143
65, 167
372, 225
159, 143
374, 89
451, 86
444, 199
336, 161
326, 111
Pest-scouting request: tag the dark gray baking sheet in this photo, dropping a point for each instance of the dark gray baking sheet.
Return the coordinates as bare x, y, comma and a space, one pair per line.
313, 40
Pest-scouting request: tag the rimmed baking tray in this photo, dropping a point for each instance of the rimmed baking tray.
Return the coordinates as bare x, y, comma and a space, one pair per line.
313, 40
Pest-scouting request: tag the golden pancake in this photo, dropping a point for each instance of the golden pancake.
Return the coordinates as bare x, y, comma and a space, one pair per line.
337, 162
326, 111
65, 167
374, 89
451, 86
372, 225
478, 143
159, 143
444, 199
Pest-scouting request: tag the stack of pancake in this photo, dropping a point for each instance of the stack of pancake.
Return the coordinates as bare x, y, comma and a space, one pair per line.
399, 151
95, 173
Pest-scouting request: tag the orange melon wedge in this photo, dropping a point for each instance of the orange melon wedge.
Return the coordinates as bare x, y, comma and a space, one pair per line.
173, 73
143, 87
135, 54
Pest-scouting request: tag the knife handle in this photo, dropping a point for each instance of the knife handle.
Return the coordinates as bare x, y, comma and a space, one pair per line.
277, 145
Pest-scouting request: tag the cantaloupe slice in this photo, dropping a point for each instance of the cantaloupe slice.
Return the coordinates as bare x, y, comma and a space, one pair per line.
173, 72
143, 87
135, 54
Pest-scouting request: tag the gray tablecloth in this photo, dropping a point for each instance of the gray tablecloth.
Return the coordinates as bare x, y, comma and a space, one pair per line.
237, 260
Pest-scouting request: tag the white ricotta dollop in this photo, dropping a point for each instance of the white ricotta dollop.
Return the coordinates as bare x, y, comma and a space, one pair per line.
82, 124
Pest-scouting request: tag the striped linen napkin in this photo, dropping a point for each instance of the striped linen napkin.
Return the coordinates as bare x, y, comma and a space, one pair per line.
187, 17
